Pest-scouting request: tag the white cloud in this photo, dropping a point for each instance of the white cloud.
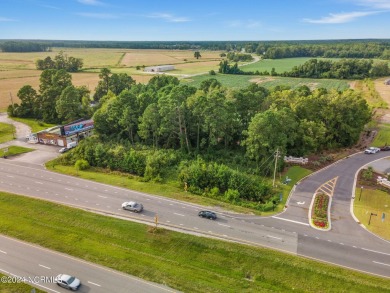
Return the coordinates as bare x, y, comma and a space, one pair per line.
98, 15
168, 17
375, 4
4, 19
340, 17
91, 2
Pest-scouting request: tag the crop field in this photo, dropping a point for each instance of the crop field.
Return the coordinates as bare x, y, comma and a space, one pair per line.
18, 69
280, 65
242, 81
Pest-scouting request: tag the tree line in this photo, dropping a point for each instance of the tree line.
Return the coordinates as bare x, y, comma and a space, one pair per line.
61, 61
368, 49
314, 68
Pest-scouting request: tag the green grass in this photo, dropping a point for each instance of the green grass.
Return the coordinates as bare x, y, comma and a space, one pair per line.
377, 202
295, 173
10, 287
15, 150
280, 65
383, 136
184, 262
243, 81
6, 132
34, 124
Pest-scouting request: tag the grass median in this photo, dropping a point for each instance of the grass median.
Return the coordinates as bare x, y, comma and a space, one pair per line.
184, 262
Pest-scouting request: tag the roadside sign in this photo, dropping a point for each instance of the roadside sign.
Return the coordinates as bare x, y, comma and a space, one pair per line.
383, 217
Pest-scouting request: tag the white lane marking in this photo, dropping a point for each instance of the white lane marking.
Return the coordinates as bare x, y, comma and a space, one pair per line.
300, 202
381, 263
341, 243
37, 182
94, 284
376, 251
102, 196
3, 252
168, 221
181, 224
178, 214
306, 224
354, 246
70, 189
196, 228
224, 225
10, 176
171, 204
45, 267
274, 237
329, 240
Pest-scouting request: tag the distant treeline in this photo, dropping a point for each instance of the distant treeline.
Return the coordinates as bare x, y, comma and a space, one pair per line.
23, 46
368, 48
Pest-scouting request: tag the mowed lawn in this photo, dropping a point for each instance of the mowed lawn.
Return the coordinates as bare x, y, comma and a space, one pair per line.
181, 261
242, 81
280, 65
377, 202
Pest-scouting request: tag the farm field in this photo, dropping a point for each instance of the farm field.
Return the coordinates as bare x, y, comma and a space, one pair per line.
242, 81
18, 69
280, 65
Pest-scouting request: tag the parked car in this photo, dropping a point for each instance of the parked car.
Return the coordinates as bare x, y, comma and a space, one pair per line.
63, 150
208, 214
67, 281
372, 150
132, 206
385, 148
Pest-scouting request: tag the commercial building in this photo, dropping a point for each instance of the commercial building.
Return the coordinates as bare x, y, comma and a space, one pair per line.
159, 68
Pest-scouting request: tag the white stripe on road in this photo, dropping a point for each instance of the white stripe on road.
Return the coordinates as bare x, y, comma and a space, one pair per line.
70, 189
178, 214
3, 252
224, 225
102, 196
381, 263
37, 182
288, 220
376, 251
45, 267
94, 284
274, 237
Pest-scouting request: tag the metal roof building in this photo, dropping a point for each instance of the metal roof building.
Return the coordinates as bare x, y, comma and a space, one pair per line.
159, 68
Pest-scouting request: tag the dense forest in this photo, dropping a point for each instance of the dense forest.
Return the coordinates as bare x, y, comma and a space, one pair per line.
370, 48
213, 138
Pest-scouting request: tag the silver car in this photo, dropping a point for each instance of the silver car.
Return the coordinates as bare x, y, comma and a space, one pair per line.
68, 282
132, 206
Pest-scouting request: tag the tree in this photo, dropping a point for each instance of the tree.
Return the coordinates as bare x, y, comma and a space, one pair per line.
197, 54
28, 97
52, 83
271, 130
103, 85
69, 106
149, 125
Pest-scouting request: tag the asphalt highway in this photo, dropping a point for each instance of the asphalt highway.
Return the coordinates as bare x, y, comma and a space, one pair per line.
347, 244
23, 262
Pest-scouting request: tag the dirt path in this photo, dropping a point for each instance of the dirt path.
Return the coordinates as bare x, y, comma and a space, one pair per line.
22, 130
384, 91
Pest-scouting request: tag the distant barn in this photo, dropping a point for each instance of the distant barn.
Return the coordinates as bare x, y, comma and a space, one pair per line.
160, 68
387, 82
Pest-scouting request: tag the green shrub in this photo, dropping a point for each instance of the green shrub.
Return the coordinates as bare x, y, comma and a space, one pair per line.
81, 165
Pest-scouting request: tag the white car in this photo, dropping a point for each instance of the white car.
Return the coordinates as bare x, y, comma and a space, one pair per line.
63, 150
132, 206
372, 150
68, 282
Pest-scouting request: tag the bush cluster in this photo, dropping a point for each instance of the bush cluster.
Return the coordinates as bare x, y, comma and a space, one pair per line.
220, 180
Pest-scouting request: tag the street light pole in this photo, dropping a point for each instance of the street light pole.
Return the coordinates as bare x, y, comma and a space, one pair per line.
361, 190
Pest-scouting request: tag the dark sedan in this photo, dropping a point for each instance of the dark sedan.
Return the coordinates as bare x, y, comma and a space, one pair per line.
208, 214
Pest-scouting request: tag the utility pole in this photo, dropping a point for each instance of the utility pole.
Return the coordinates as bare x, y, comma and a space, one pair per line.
276, 163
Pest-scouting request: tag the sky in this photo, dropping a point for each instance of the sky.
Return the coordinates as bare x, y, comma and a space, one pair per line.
199, 20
